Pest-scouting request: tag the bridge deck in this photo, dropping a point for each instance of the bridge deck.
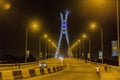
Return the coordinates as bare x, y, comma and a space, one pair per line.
78, 70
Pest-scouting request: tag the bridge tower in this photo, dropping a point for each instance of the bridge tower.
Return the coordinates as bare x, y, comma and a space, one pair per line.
64, 31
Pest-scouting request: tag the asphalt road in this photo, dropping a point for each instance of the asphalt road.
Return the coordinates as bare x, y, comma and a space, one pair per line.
76, 70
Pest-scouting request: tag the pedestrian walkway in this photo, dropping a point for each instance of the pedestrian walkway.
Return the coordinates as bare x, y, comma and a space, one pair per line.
110, 74
107, 76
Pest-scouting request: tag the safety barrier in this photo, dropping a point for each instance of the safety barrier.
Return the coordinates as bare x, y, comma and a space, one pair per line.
27, 73
50, 62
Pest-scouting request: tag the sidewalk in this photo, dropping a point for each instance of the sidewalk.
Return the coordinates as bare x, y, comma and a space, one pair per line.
107, 75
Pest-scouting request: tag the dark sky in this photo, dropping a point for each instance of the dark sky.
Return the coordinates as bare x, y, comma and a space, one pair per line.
82, 12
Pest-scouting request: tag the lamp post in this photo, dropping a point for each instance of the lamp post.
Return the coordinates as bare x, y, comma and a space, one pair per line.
54, 47
93, 25
79, 47
84, 36
118, 33
102, 45
83, 55
26, 46
79, 50
45, 36
49, 49
32, 26
74, 49
40, 52
89, 48
76, 43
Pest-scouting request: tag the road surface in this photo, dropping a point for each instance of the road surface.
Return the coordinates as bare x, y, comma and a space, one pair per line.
76, 70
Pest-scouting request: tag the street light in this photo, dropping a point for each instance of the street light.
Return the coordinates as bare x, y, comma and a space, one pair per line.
5, 5
49, 40
33, 26
78, 41
53, 47
49, 48
74, 48
40, 52
79, 48
45, 36
40, 43
118, 32
93, 26
83, 54
84, 36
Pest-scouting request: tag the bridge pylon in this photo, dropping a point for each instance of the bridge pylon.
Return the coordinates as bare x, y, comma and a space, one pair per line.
64, 31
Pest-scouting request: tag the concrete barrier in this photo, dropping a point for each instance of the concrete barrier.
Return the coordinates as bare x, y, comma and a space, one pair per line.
27, 73
50, 63
17, 74
7, 75
51, 69
37, 71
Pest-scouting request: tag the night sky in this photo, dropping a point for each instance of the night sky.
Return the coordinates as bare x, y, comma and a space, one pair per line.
14, 22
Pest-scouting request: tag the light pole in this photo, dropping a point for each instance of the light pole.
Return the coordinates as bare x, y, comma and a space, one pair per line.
40, 52
76, 49
26, 46
84, 36
102, 44
79, 47
46, 49
32, 26
54, 47
83, 54
89, 48
93, 25
49, 49
45, 36
118, 33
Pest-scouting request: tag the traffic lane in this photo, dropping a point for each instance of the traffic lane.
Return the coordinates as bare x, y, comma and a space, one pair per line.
73, 71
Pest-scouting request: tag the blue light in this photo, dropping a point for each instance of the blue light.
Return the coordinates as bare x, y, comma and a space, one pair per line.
64, 26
